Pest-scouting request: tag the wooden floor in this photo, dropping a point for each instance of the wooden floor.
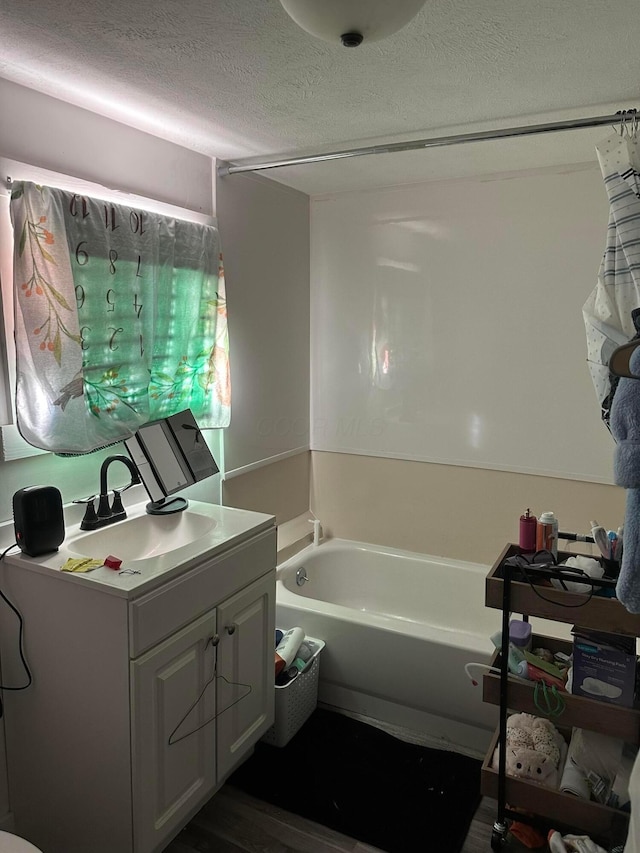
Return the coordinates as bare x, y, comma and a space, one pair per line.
234, 822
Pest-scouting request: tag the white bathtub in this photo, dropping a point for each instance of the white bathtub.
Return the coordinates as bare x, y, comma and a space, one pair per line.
399, 628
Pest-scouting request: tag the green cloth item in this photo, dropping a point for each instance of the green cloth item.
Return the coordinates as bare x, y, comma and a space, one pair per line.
82, 564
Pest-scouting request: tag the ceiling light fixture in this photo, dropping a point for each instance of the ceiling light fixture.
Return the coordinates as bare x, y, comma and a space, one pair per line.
352, 22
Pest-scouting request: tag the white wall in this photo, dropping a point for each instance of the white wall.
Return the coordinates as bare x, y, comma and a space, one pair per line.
264, 233
49, 133
54, 135
447, 323
264, 228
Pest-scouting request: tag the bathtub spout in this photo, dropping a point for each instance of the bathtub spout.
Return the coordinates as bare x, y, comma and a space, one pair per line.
317, 530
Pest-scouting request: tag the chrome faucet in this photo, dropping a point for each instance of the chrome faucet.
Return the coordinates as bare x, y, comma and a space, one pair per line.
108, 513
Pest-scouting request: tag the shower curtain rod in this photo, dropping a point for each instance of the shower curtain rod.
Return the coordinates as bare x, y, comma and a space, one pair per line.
232, 167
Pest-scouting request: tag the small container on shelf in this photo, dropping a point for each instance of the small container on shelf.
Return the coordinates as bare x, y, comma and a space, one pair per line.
520, 634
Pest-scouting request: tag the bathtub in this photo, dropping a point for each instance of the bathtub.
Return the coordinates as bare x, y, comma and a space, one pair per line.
399, 628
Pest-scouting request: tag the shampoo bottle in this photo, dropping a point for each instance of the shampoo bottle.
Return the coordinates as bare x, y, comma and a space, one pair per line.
288, 646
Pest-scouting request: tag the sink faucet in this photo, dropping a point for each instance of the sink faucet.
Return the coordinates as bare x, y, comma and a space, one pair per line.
108, 513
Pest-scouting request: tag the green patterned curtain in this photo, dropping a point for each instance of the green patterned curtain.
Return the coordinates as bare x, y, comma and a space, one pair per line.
120, 318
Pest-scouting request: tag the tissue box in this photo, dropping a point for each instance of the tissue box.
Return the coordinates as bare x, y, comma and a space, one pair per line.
604, 666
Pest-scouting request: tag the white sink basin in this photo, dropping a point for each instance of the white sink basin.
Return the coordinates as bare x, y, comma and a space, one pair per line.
143, 536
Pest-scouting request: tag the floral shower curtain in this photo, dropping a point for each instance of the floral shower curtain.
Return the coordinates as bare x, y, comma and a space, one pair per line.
608, 310
120, 318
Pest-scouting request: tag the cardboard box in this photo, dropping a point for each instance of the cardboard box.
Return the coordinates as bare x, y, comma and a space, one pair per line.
604, 666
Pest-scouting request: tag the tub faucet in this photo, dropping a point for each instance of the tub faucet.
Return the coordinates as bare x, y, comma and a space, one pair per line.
108, 513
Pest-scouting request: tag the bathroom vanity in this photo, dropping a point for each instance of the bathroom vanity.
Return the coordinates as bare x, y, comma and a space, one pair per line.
150, 684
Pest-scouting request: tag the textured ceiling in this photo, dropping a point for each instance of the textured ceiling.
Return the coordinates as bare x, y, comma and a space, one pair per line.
237, 78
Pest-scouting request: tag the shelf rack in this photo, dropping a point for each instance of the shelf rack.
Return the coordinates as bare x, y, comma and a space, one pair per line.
505, 592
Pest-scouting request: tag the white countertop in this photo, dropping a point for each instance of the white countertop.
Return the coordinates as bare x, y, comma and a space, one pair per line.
140, 576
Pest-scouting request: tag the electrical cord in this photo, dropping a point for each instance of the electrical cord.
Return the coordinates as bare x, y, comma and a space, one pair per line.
588, 598
467, 668
20, 639
521, 562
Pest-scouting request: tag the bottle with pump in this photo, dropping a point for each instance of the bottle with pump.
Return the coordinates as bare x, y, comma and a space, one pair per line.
528, 530
548, 533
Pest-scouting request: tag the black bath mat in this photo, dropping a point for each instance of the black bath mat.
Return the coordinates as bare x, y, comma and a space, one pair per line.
365, 783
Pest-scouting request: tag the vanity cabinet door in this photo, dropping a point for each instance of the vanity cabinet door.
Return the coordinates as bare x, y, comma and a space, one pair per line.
172, 779
245, 683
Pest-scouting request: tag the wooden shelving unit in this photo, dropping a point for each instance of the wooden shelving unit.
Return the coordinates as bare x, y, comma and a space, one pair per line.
515, 596
603, 614
590, 818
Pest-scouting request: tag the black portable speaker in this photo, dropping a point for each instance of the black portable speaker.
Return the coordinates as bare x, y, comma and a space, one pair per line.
38, 519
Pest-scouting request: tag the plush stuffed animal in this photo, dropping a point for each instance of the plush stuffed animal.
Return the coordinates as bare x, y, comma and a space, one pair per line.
535, 749
531, 765
547, 740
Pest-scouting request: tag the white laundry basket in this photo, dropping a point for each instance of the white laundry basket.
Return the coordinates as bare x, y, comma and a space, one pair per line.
297, 700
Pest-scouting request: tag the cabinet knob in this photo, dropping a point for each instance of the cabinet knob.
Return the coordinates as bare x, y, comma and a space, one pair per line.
214, 640
231, 628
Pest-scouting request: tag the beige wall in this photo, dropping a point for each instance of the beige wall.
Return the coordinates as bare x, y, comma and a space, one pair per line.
451, 511
280, 489
463, 513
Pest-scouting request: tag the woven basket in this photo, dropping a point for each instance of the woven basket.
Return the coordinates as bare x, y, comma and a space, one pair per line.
296, 701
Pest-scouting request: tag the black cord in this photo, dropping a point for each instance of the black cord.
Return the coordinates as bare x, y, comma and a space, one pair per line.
554, 601
20, 639
520, 562
6, 551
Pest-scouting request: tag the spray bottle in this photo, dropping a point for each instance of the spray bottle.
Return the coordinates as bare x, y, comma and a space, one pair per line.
548, 533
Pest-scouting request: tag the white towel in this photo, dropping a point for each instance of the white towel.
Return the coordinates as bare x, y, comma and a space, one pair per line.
597, 757
574, 781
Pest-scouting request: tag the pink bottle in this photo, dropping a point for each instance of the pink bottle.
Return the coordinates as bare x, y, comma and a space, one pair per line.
528, 531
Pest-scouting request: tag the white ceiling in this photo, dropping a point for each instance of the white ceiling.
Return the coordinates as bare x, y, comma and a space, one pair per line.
237, 78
